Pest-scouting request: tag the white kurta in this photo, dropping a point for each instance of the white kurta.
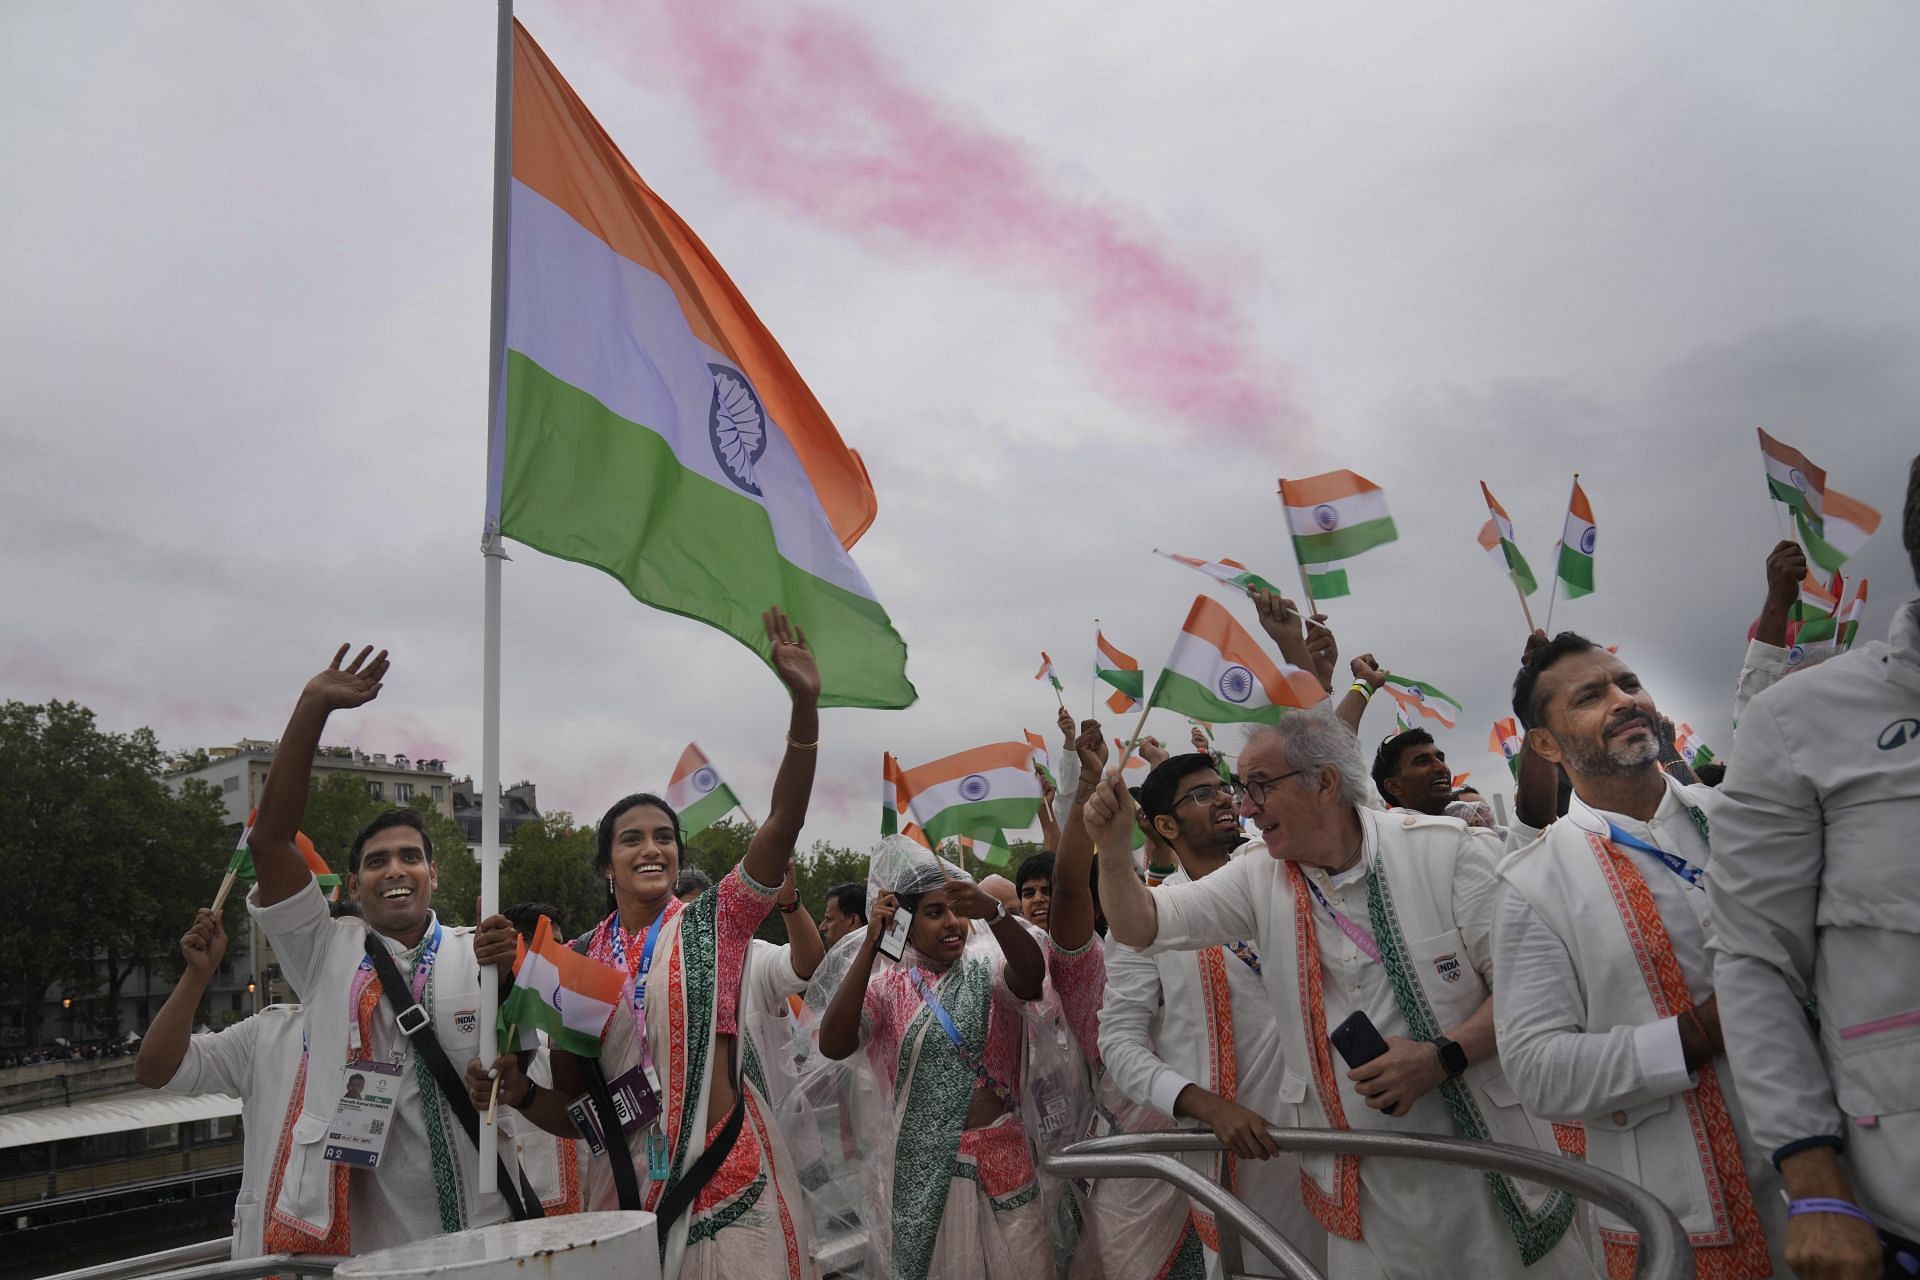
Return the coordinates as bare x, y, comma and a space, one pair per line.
254, 1060
1156, 1038
1411, 1213
396, 1203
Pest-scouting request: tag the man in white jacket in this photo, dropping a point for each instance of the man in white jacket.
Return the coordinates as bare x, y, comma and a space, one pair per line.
1392, 916
1603, 993
1816, 908
423, 1182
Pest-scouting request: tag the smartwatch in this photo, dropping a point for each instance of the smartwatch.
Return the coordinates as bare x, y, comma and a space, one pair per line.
1453, 1059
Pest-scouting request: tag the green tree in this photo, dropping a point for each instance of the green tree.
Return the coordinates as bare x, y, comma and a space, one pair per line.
101, 861
551, 861
337, 809
459, 888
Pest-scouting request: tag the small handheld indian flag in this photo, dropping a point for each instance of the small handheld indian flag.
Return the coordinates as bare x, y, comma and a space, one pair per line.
1793, 480
1228, 572
1218, 673
1046, 671
1118, 670
1419, 699
1505, 551
1042, 762
890, 794
1811, 617
240, 866
991, 849
696, 792
1844, 527
1689, 746
1577, 540
1335, 516
1850, 618
980, 793
557, 990
1506, 741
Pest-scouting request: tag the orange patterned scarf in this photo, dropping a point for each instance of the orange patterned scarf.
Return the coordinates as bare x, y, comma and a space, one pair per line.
1224, 1072
1736, 1249
1339, 1213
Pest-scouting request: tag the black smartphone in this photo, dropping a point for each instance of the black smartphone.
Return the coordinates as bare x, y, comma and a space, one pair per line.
893, 943
1357, 1039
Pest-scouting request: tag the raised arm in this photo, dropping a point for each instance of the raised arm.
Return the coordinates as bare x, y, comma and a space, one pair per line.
840, 1024
1368, 676
277, 863
771, 851
805, 947
1049, 821
1786, 570
1281, 620
1026, 963
1070, 914
165, 1045
1109, 821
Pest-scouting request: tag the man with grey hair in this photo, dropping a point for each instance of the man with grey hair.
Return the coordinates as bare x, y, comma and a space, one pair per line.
1394, 913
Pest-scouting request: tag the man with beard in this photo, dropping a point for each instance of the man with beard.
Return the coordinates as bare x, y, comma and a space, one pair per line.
1192, 1033
1603, 989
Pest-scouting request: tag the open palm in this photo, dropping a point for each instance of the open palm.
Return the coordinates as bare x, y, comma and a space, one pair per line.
792, 659
353, 685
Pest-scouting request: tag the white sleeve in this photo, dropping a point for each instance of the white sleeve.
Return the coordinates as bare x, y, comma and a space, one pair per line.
1765, 666
1561, 1071
1066, 779
217, 1062
1209, 912
1126, 1032
300, 929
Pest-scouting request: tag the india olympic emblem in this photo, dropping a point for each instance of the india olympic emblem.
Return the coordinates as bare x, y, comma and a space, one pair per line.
467, 1021
1587, 541
737, 427
1326, 517
705, 779
974, 787
1448, 966
1236, 684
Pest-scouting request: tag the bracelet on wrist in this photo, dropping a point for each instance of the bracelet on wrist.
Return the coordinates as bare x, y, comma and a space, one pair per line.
788, 908
1828, 1204
802, 746
1362, 688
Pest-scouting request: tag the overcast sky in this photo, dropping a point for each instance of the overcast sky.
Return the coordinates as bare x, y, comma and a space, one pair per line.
1077, 281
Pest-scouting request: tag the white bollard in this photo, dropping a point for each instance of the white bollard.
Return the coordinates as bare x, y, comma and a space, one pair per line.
581, 1246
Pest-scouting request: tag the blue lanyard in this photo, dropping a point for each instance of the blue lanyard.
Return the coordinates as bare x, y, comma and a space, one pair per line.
1694, 876
981, 1076
1355, 934
617, 942
422, 968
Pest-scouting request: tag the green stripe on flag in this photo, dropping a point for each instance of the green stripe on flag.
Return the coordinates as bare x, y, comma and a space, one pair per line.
1188, 697
984, 820
584, 484
1330, 585
1518, 564
707, 810
1781, 491
1323, 548
1818, 549
524, 1008
1576, 571
1131, 683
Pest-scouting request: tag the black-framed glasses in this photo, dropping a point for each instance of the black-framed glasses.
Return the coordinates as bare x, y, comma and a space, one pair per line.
1255, 789
1206, 792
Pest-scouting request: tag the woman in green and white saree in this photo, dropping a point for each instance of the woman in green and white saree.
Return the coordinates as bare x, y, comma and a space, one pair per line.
943, 1031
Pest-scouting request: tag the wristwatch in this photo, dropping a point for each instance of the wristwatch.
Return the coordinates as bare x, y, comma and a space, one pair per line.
1000, 912
1453, 1059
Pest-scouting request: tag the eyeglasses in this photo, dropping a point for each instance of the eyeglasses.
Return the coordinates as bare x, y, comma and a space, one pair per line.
1204, 794
1255, 789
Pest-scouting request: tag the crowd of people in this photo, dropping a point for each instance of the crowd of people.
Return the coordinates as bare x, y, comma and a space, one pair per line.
1292, 935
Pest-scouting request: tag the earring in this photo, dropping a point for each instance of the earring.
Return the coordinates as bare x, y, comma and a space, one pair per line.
609, 884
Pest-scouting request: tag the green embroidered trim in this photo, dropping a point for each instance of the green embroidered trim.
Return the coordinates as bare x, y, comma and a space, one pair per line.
750, 1064
710, 1225
939, 1087
969, 1171
449, 1190
1189, 1259
699, 952
1535, 1232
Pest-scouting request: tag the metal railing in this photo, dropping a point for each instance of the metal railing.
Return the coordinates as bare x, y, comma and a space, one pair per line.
1664, 1253
209, 1260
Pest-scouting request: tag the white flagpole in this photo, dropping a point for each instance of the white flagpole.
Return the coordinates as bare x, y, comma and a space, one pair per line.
487, 1179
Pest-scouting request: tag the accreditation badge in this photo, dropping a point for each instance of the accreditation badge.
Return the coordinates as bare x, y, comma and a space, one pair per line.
363, 1117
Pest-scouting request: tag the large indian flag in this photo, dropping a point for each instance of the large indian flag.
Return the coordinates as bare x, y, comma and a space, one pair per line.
1507, 551
1335, 516
696, 792
1792, 478
1577, 539
652, 427
978, 793
1218, 673
1843, 528
1119, 670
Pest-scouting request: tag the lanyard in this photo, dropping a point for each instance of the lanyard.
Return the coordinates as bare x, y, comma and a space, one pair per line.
616, 939
417, 984
1248, 956
1694, 876
981, 1076
1355, 934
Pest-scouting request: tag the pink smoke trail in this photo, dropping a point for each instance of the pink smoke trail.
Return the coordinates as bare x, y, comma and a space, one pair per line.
799, 105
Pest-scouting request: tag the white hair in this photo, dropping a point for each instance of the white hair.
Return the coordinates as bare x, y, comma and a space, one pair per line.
1318, 739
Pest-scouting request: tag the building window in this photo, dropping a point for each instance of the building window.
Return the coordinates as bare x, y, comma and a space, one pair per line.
230, 783
438, 794
377, 790
403, 791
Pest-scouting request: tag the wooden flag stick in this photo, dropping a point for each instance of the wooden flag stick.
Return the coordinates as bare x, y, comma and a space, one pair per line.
1093, 681
1554, 594
1306, 586
1126, 752
493, 1097
226, 886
